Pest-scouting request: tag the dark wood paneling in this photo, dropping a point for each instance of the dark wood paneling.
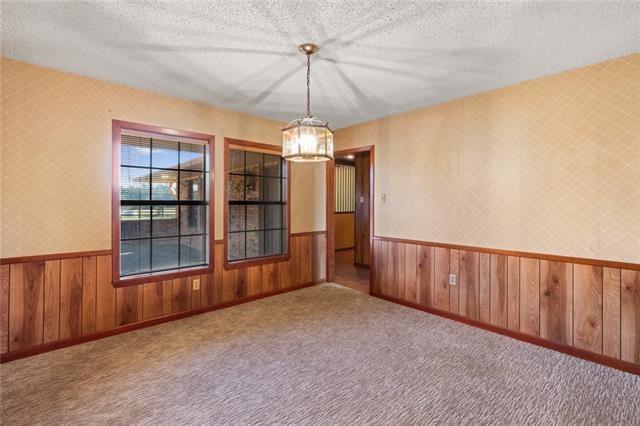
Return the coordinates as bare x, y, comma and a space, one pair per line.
181, 294
105, 295
441, 279
306, 264
151, 300
167, 297
556, 298
410, 273
362, 215
630, 310
611, 312
89, 293
319, 257
513, 293
454, 290
484, 284
587, 307
206, 286
426, 275
51, 300
382, 271
128, 305
530, 296
4, 308
26, 305
468, 281
395, 269
499, 300
70, 297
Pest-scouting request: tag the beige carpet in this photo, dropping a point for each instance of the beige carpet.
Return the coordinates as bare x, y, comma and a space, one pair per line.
322, 355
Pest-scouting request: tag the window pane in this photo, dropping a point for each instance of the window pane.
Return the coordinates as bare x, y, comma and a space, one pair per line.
252, 186
254, 163
254, 217
191, 185
236, 246
284, 241
236, 161
135, 151
164, 154
284, 190
271, 189
236, 188
191, 251
164, 185
165, 221
272, 244
134, 222
192, 220
236, 218
191, 156
164, 253
272, 165
134, 184
273, 217
134, 257
255, 244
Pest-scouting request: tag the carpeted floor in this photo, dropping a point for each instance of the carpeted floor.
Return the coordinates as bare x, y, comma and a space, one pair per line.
322, 355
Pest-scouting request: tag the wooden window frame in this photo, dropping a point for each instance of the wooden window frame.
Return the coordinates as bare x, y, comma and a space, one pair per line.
117, 128
266, 149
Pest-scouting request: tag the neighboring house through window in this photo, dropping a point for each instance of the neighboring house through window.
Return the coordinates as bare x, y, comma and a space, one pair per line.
164, 193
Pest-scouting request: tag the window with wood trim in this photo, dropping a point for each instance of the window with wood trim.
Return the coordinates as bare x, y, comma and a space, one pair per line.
164, 217
257, 205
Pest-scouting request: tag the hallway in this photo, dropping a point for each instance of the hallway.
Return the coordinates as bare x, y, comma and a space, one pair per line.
348, 275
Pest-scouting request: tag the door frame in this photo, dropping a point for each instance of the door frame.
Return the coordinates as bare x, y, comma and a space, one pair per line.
330, 212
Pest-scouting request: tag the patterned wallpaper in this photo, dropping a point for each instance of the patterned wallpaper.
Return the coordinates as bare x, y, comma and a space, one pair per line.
56, 157
550, 165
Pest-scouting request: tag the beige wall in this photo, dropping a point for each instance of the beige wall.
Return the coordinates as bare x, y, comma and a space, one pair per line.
550, 165
56, 157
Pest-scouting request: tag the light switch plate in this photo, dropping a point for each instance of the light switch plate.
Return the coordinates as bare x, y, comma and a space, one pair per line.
196, 284
452, 279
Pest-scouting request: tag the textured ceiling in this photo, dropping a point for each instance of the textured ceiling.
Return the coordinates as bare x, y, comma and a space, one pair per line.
377, 57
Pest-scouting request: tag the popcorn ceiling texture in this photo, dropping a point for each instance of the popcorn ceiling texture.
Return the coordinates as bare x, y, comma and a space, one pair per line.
376, 58
550, 165
56, 157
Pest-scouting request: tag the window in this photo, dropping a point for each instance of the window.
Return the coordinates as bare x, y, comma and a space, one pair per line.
256, 205
164, 191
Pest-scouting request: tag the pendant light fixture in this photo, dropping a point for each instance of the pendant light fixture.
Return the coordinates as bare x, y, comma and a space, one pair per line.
308, 138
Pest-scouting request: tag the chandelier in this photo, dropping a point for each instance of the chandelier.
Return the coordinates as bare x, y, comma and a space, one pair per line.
307, 138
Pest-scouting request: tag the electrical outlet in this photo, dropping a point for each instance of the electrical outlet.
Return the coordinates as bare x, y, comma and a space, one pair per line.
196, 284
452, 279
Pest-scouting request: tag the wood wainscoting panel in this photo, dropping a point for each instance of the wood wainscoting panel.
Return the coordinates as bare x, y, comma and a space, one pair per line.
425, 275
71, 297
441, 261
128, 305
591, 308
530, 296
51, 301
152, 299
468, 282
26, 305
484, 288
89, 293
611, 312
454, 290
4, 308
556, 301
57, 301
410, 273
630, 314
513, 293
499, 296
587, 307
105, 295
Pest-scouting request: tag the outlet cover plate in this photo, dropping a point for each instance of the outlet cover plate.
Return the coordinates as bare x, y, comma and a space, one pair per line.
452, 279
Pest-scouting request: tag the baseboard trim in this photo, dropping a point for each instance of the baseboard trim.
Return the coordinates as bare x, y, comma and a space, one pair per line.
65, 343
618, 364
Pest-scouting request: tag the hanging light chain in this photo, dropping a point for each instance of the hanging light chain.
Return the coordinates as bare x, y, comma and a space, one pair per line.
308, 84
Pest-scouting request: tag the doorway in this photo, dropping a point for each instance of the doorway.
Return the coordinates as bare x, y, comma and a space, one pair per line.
349, 218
